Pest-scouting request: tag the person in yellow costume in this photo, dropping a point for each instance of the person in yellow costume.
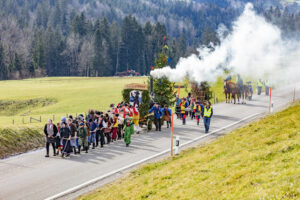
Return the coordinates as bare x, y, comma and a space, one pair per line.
136, 119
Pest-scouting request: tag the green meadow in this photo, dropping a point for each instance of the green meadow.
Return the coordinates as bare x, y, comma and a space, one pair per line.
59, 96
56, 97
258, 161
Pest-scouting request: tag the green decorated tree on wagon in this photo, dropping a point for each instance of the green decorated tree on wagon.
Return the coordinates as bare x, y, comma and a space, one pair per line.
163, 89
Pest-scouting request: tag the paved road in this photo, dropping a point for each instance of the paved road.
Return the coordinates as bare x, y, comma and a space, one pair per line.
32, 176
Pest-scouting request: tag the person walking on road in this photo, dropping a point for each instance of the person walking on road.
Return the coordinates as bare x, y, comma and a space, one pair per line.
198, 109
101, 126
115, 127
50, 131
73, 131
65, 134
259, 86
93, 129
157, 116
167, 112
267, 87
183, 108
83, 138
208, 113
127, 128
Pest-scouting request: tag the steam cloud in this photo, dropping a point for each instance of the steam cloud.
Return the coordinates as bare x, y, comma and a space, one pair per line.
254, 48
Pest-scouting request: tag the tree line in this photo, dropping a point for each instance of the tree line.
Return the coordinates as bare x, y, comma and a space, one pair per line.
100, 38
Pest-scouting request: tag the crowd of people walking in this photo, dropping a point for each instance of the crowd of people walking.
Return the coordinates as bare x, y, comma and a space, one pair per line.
72, 135
96, 129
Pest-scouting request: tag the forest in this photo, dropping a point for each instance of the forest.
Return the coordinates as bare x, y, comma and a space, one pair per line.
103, 37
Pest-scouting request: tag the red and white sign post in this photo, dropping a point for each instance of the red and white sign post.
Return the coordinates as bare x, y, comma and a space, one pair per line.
270, 102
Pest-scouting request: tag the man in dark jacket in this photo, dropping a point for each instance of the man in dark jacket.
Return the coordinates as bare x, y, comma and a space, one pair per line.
50, 131
73, 130
157, 116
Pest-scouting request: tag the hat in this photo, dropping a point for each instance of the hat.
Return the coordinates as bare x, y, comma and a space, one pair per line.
63, 119
81, 124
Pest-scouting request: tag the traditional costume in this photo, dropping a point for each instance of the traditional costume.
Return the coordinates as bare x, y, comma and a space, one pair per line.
83, 138
115, 129
66, 136
136, 119
128, 130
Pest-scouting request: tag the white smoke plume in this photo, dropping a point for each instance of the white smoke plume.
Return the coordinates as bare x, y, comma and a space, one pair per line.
254, 48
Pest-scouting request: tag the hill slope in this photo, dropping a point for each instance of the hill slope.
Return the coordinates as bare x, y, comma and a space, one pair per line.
259, 161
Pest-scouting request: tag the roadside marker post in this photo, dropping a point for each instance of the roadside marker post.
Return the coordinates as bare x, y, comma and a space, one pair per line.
177, 146
172, 129
294, 97
270, 102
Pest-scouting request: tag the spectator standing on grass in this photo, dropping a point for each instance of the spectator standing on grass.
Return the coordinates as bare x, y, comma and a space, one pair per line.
208, 113
157, 116
50, 131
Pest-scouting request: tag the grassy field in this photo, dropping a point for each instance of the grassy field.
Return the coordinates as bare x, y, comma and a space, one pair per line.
56, 97
59, 96
258, 161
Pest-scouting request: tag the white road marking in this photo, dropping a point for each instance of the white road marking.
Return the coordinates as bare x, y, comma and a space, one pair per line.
140, 162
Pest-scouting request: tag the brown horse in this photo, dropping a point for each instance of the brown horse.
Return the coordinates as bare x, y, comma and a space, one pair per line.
227, 91
231, 92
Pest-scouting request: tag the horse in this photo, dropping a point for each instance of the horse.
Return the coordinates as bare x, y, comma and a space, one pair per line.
231, 92
244, 93
227, 91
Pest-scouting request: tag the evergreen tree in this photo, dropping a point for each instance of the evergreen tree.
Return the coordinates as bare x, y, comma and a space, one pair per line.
107, 68
3, 67
163, 89
97, 59
17, 63
38, 55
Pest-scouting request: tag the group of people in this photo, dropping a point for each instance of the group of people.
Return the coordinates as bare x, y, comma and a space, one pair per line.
196, 110
71, 135
260, 85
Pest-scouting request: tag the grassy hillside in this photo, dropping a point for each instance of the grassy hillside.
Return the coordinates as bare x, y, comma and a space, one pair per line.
13, 141
258, 161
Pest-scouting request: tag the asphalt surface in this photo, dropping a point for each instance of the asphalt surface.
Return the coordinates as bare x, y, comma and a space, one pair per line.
32, 176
